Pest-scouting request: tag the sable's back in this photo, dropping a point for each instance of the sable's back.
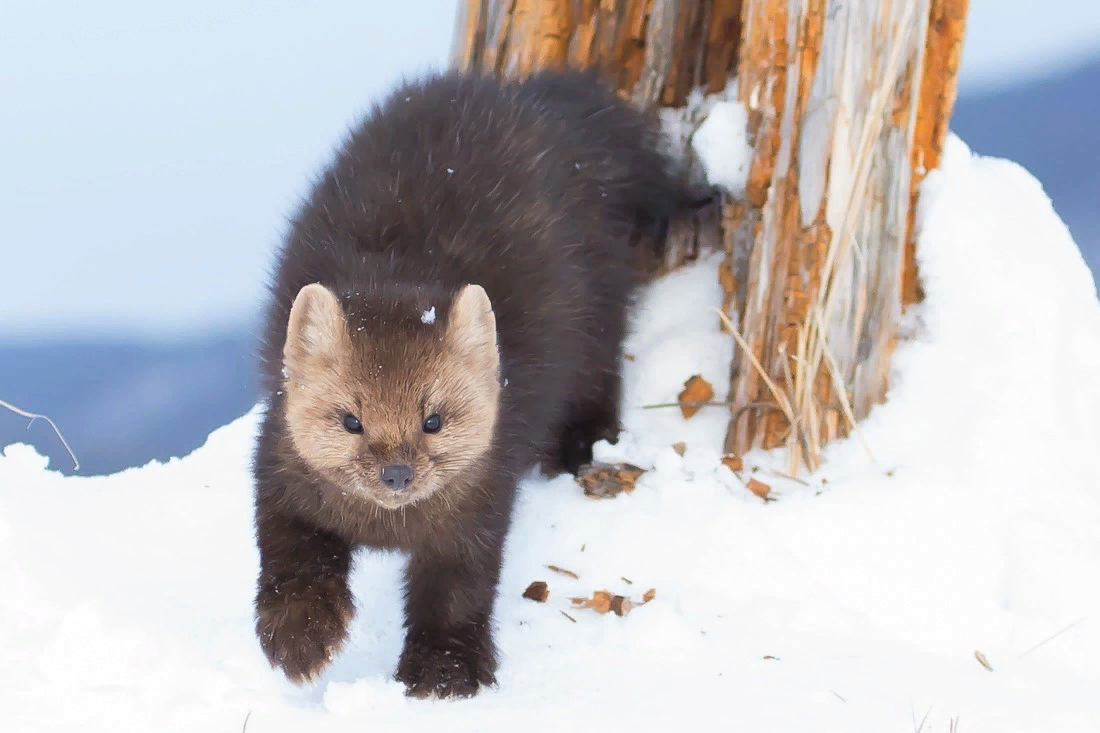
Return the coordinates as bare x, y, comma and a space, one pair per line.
463, 178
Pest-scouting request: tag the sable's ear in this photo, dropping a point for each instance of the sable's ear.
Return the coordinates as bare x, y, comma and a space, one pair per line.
472, 326
316, 324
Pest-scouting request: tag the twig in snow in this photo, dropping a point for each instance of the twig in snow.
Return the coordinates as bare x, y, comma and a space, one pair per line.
919, 728
244, 727
563, 571
838, 697
1052, 637
686, 403
32, 416
563, 613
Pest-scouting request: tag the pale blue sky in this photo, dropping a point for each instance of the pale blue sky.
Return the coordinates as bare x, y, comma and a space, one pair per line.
151, 152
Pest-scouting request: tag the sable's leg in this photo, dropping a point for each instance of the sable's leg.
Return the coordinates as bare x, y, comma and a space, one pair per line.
597, 419
603, 419
449, 649
303, 602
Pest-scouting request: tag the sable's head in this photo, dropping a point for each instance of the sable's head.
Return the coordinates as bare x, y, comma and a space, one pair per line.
392, 408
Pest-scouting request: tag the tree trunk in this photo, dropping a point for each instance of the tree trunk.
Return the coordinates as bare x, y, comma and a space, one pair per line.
657, 51
848, 106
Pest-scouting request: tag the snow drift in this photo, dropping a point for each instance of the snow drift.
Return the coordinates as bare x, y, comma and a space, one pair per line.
860, 600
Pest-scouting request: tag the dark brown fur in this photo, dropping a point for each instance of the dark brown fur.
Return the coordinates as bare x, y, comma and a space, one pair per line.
533, 192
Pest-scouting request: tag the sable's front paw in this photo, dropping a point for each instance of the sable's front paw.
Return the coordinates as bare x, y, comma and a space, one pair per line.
445, 670
576, 449
302, 626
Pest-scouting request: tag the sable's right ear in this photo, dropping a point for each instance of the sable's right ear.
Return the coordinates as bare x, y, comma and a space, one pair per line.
315, 326
472, 325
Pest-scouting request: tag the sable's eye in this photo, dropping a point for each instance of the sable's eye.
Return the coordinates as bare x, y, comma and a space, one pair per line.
433, 424
352, 424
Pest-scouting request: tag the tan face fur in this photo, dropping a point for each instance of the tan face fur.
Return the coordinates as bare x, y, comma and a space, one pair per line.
391, 382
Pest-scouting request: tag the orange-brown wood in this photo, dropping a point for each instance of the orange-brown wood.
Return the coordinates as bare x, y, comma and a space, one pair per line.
938, 90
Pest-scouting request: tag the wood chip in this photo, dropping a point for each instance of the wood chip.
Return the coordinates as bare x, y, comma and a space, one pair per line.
603, 601
629, 357
563, 571
982, 660
626, 580
679, 447
759, 488
621, 605
537, 591
696, 390
607, 480
733, 463
600, 602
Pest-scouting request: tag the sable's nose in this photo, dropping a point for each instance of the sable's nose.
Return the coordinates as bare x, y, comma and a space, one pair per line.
397, 477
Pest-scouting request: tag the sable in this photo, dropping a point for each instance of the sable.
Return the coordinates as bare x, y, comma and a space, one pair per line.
447, 311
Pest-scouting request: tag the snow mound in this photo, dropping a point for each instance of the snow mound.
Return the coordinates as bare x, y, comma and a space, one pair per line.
855, 602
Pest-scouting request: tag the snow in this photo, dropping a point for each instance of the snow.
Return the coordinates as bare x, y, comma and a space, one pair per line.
725, 156
428, 316
855, 602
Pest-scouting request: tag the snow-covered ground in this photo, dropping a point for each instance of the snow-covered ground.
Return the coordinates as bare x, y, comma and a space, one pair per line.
855, 602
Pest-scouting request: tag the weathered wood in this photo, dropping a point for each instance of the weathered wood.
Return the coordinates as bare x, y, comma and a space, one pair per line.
656, 50
938, 89
837, 126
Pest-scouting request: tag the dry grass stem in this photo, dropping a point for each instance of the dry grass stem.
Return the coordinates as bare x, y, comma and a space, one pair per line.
687, 403
780, 398
563, 571
839, 388
1053, 636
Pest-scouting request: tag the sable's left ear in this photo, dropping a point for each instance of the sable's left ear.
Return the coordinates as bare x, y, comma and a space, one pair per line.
315, 326
472, 325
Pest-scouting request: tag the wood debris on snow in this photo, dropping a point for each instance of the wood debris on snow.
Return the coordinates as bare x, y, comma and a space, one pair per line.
733, 463
563, 571
538, 591
759, 488
604, 601
607, 480
696, 391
